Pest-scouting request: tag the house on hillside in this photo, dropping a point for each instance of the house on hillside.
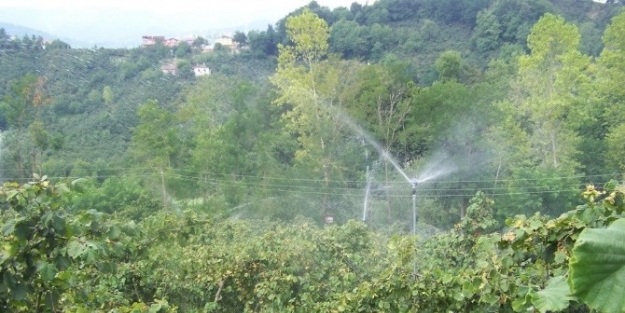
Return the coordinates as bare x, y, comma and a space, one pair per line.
189, 40
45, 43
207, 48
226, 42
169, 68
201, 70
171, 42
151, 40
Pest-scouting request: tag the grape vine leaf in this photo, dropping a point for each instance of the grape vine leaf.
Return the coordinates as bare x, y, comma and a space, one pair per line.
555, 297
47, 271
597, 268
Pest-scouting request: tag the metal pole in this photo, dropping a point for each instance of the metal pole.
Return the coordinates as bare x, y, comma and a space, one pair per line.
364, 209
414, 211
164, 191
414, 183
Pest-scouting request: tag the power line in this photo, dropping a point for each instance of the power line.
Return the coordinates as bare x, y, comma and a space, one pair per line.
225, 181
403, 182
358, 193
388, 186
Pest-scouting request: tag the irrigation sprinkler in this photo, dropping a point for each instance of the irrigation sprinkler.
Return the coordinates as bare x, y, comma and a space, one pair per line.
368, 186
414, 182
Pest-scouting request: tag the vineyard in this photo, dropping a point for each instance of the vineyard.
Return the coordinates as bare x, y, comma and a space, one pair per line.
56, 258
404, 156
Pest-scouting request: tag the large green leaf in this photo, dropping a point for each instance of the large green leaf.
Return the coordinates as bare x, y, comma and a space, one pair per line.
597, 268
9, 227
19, 292
555, 297
52, 298
75, 249
47, 271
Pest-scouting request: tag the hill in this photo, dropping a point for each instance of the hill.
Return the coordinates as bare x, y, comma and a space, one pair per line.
21, 31
442, 85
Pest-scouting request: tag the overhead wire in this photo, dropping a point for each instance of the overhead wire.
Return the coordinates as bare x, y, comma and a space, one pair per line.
342, 191
274, 182
438, 181
391, 195
274, 185
358, 188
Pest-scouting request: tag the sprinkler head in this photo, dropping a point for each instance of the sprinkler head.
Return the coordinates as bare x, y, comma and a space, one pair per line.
414, 182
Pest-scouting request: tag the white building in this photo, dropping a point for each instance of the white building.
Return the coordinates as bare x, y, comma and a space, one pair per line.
226, 42
201, 70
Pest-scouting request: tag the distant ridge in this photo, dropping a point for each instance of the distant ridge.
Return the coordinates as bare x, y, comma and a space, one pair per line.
20, 31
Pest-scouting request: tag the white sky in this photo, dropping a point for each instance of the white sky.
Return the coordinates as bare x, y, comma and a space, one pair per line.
222, 13
109, 22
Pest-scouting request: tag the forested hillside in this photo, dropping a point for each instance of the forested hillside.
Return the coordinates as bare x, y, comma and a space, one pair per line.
498, 124
400, 72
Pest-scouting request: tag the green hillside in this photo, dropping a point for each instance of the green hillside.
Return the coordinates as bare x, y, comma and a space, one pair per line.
479, 142
443, 86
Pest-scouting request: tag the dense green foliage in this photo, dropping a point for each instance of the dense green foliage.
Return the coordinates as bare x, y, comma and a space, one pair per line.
528, 127
56, 258
208, 194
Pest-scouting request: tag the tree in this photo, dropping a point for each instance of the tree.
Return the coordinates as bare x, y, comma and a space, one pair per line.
615, 141
265, 41
199, 42
383, 35
429, 30
185, 70
591, 39
240, 38
611, 96
382, 97
452, 140
549, 104
307, 88
349, 39
107, 95
553, 77
155, 142
36, 234
516, 17
485, 37
448, 66
208, 107
58, 44
154, 139
183, 49
21, 107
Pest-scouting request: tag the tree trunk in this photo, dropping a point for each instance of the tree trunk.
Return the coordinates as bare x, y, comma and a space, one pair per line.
554, 149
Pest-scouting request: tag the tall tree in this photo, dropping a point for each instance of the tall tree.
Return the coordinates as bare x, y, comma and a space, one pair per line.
550, 103
485, 37
240, 38
611, 94
21, 107
154, 140
107, 95
552, 79
382, 98
307, 86
349, 39
449, 65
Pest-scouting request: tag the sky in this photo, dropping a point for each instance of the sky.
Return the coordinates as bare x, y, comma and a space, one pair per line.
106, 19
